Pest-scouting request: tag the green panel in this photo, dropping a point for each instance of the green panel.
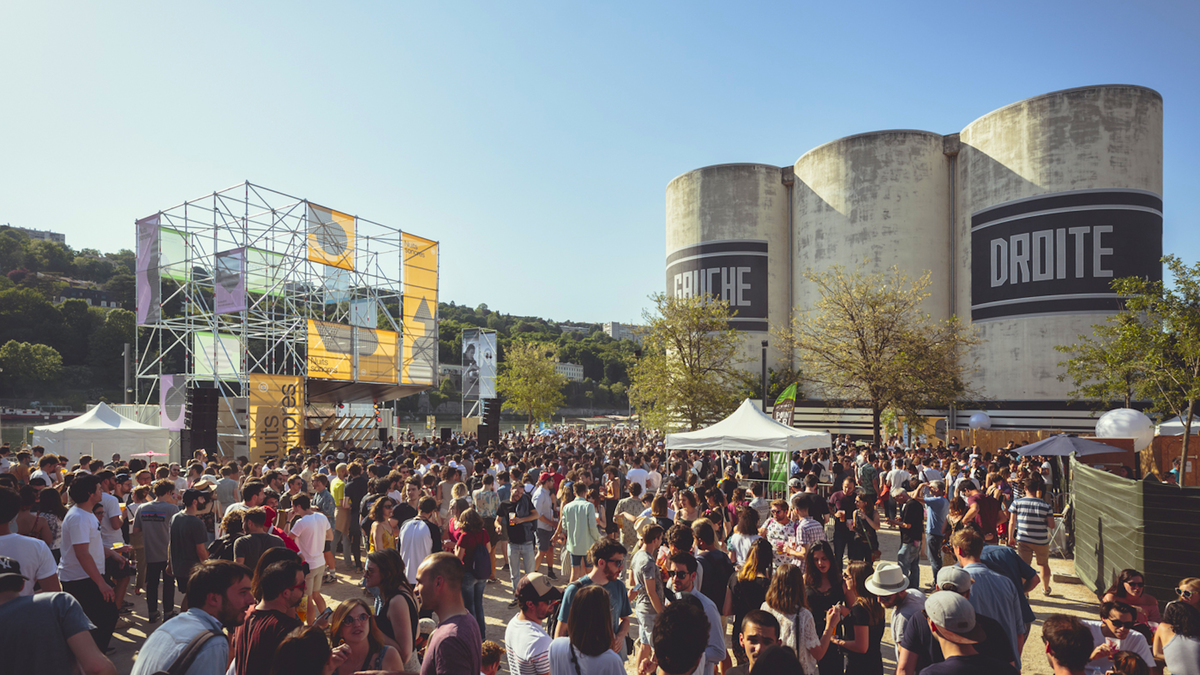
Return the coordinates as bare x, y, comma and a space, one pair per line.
1172, 538
264, 272
1109, 529
174, 253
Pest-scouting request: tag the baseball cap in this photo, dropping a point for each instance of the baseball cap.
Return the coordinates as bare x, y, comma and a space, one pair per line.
122, 478
795, 483
536, 587
954, 579
954, 617
192, 494
9, 568
341, 455
546, 475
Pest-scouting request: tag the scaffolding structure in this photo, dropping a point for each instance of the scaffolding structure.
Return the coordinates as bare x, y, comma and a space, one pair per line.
250, 282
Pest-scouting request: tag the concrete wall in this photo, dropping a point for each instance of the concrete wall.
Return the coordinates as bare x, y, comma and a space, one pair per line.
1087, 138
737, 202
882, 198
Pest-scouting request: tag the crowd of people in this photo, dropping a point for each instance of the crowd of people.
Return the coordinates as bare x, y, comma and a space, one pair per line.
612, 549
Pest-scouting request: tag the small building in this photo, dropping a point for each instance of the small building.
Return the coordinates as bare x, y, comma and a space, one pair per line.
94, 297
45, 235
622, 331
571, 371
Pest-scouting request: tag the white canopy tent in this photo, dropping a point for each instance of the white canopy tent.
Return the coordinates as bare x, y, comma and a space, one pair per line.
749, 429
1174, 427
101, 432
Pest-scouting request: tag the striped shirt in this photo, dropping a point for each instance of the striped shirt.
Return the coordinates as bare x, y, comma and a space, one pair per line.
1031, 520
808, 531
528, 648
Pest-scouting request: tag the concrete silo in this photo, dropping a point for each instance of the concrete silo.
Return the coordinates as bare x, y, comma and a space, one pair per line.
1056, 196
727, 235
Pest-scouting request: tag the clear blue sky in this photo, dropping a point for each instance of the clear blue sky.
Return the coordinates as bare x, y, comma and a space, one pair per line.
534, 140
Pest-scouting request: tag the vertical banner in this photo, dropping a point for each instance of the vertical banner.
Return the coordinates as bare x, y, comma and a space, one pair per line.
330, 237
218, 356
779, 472
419, 263
785, 406
487, 364
470, 365
276, 405
172, 401
149, 291
229, 277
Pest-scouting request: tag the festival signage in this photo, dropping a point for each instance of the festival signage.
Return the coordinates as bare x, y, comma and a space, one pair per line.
734, 270
785, 406
172, 401
330, 237
229, 281
330, 351
419, 262
276, 405
1059, 253
479, 364
146, 279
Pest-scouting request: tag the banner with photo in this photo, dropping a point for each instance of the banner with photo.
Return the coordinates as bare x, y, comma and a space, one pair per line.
377, 352
330, 237
330, 351
172, 401
229, 281
478, 364
218, 356
264, 272
419, 265
276, 404
147, 283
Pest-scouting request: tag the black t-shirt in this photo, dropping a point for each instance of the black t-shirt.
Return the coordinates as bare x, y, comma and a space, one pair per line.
841, 501
186, 532
356, 489
250, 547
912, 514
743, 669
870, 663
817, 508
717, 568
918, 639
976, 664
522, 533
404, 512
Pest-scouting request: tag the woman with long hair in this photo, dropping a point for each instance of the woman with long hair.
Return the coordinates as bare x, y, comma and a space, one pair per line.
588, 649
786, 600
686, 511
823, 589
353, 624
1130, 588
955, 521
861, 632
748, 589
744, 535
383, 530
716, 513
444, 494
396, 607
50, 508
1177, 638
659, 511
865, 545
470, 536
306, 651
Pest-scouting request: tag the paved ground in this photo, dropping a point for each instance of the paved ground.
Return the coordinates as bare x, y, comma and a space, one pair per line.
1068, 598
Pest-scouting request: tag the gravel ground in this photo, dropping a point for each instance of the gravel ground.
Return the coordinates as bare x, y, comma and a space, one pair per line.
1068, 598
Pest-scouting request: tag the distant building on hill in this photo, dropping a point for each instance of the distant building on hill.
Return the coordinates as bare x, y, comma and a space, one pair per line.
583, 330
571, 371
621, 331
92, 296
45, 235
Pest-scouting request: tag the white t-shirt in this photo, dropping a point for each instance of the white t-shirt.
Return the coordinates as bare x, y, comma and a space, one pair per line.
310, 533
607, 663
415, 545
528, 647
653, 481
34, 556
739, 546
79, 527
180, 483
638, 476
1134, 642
112, 509
43, 475
897, 478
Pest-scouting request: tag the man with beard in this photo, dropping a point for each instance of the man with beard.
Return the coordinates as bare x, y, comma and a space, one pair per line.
218, 595
255, 641
455, 646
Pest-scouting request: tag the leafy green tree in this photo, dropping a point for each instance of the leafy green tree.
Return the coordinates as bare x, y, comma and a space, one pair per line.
107, 346
529, 383
866, 342
27, 316
689, 372
1106, 365
27, 367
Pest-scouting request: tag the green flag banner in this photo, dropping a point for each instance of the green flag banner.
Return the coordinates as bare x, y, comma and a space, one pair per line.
785, 406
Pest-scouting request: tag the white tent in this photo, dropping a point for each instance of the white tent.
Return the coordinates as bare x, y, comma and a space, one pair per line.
101, 432
1174, 427
749, 429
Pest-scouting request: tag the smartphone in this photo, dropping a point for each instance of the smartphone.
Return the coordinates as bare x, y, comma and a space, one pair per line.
637, 588
324, 615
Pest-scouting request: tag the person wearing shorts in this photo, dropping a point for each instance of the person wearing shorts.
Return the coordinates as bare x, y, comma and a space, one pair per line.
543, 502
1030, 522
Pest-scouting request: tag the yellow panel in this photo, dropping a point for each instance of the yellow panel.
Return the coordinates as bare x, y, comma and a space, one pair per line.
330, 237
420, 257
276, 405
330, 351
377, 352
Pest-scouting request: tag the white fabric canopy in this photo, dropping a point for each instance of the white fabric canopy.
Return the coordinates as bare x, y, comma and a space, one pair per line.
101, 432
749, 429
1174, 427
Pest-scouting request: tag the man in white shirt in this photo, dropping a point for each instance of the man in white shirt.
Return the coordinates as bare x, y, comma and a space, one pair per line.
653, 478
415, 541
81, 568
310, 532
637, 474
181, 483
527, 643
1116, 620
32, 553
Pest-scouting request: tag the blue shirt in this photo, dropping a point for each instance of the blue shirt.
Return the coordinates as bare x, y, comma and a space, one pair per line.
168, 642
1004, 560
936, 509
994, 595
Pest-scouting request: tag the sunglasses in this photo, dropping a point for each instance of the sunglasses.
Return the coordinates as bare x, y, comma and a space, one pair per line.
618, 563
1135, 584
361, 618
679, 574
1122, 624
1183, 593
298, 587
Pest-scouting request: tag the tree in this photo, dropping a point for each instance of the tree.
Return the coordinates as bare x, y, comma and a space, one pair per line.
689, 372
25, 365
528, 381
1160, 327
1105, 366
867, 343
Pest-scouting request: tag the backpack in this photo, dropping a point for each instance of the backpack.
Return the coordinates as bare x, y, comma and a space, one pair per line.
481, 567
183, 662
